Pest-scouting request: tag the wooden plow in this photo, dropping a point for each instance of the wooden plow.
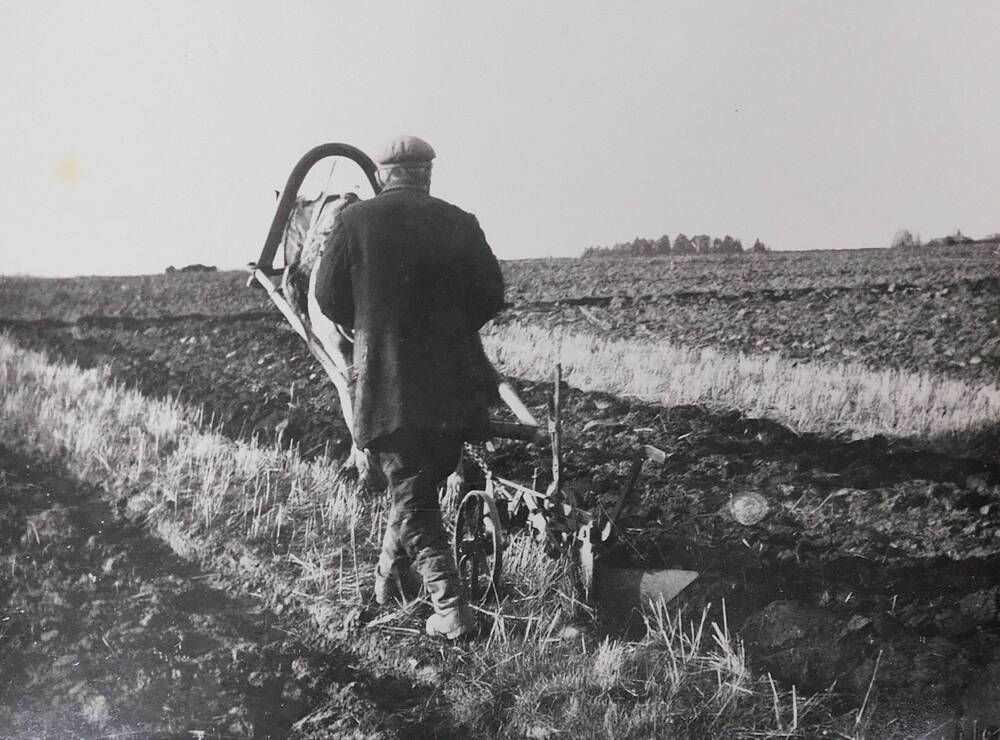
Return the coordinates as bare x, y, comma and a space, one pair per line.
483, 517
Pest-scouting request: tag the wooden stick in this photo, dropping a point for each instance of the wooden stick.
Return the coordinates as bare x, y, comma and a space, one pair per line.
555, 434
312, 343
515, 404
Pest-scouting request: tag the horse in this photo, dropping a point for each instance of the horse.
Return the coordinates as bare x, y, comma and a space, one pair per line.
306, 235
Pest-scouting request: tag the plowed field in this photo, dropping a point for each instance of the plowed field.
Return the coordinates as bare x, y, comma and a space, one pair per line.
874, 552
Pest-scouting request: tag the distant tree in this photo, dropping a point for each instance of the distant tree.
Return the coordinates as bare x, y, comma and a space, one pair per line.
759, 246
641, 247
951, 240
683, 245
727, 245
958, 238
904, 239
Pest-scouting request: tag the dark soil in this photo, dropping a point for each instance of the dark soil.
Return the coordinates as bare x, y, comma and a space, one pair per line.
107, 633
535, 280
930, 310
951, 328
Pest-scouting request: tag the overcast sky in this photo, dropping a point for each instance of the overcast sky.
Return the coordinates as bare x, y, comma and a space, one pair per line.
137, 135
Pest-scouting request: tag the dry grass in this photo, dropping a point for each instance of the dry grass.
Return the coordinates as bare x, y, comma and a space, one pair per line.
303, 535
826, 398
157, 453
684, 679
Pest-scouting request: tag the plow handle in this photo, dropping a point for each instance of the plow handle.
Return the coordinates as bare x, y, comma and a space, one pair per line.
291, 192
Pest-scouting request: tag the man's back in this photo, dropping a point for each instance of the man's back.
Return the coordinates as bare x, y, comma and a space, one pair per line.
415, 278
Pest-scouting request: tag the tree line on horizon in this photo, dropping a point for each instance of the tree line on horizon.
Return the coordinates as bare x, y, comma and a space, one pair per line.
682, 244
904, 239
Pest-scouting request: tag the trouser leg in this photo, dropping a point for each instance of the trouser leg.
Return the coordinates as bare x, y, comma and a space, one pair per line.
393, 555
414, 466
394, 579
428, 545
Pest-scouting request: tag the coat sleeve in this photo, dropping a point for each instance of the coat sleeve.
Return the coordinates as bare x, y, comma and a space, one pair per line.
485, 294
334, 290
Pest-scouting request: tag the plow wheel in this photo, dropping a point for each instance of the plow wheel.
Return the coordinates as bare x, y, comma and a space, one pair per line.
479, 546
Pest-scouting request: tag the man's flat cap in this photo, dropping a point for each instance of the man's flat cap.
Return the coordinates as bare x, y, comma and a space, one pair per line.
406, 150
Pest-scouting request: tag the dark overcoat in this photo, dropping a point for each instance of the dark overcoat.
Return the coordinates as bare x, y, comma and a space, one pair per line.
415, 278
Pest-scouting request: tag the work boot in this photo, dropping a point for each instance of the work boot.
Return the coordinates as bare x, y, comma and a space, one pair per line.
452, 617
452, 624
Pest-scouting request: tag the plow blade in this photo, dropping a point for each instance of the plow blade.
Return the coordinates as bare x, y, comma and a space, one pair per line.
626, 588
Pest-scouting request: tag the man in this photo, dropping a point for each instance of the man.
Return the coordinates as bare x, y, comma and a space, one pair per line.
415, 279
